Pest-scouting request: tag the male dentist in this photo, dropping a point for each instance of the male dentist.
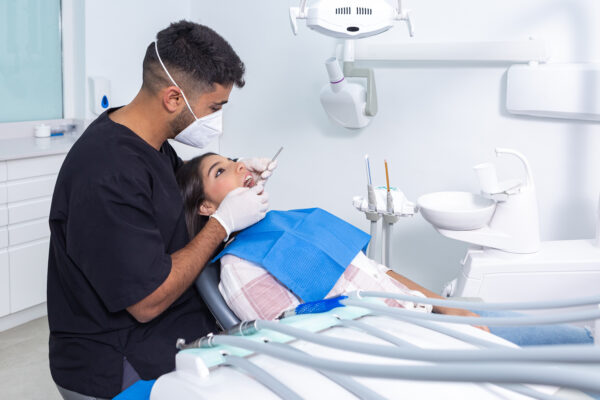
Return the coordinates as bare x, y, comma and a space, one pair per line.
121, 264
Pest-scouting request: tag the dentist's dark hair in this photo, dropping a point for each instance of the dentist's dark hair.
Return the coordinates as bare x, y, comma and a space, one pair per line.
196, 56
191, 187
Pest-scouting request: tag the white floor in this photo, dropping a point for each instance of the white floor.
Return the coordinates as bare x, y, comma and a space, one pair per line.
24, 370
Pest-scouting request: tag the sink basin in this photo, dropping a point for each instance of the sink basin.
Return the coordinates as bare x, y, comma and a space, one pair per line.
457, 211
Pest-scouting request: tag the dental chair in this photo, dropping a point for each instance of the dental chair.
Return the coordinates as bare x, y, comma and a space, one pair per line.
208, 287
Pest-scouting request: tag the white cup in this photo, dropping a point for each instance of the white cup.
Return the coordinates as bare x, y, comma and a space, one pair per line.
488, 179
42, 130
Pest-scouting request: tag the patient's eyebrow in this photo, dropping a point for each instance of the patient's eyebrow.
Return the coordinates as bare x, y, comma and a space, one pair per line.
211, 167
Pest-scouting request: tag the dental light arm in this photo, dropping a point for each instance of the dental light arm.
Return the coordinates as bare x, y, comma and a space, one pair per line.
351, 72
345, 102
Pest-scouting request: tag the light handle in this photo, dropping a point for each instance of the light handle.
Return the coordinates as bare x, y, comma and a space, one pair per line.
405, 16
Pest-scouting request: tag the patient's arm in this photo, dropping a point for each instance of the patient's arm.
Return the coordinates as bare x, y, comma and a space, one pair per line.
436, 309
414, 286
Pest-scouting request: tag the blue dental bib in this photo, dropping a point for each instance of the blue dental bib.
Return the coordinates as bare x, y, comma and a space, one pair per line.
306, 250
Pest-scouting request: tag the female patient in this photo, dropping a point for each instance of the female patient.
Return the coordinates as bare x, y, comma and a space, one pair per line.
249, 290
253, 293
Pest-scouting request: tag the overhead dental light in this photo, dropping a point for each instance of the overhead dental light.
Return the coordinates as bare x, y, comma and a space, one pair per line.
349, 19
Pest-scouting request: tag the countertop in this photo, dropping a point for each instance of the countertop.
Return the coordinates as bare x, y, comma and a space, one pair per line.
27, 147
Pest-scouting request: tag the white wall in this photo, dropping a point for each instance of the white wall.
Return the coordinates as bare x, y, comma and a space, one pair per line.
116, 36
435, 121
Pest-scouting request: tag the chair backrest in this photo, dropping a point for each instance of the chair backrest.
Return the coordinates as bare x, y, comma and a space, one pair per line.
207, 285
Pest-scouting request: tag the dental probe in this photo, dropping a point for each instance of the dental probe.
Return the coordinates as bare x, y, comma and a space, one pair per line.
276, 154
273, 159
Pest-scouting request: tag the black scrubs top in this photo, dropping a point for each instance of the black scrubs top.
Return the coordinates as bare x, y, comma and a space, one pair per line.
116, 217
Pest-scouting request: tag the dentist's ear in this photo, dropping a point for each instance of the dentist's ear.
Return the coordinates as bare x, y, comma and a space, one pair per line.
172, 98
206, 209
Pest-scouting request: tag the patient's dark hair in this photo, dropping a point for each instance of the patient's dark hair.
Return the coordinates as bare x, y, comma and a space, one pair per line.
196, 56
191, 186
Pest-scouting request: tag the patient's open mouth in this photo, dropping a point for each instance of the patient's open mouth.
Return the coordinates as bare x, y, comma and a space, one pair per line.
249, 181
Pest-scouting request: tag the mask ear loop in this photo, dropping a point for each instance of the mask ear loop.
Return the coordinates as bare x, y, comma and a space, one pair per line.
171, 78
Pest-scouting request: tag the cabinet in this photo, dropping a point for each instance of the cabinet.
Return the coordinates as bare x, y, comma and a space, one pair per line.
4, 276
3, 237
4, 284
27, 180
28, 271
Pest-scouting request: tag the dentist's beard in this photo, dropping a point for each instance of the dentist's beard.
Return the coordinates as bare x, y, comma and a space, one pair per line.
181, 121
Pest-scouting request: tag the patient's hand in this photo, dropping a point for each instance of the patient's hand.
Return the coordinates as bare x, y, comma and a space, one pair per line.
459, 312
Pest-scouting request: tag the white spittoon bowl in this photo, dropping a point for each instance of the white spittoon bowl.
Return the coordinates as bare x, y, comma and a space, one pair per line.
456, 211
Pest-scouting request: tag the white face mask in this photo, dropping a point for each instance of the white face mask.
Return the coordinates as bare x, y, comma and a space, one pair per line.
203, 130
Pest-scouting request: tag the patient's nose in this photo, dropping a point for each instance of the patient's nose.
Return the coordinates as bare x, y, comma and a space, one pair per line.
240, 167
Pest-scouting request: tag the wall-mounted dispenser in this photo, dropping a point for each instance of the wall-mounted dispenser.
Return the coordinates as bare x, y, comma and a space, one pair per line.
100, 98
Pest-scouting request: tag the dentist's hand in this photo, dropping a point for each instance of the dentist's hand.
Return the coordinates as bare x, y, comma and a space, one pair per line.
241, 208
261, 168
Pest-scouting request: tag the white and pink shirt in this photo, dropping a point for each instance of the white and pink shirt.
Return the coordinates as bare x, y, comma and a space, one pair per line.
253, 293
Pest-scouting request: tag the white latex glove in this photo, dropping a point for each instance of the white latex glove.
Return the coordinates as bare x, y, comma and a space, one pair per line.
260, 168
241, 208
